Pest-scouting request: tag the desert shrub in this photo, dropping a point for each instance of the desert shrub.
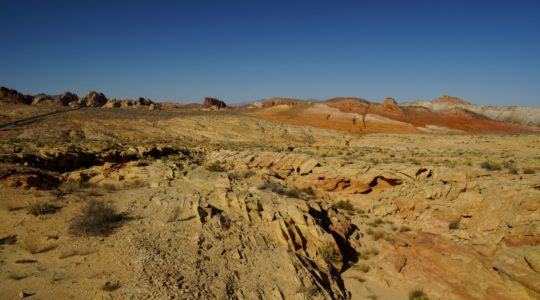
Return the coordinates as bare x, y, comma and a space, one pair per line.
41, 208
363, 267
109, 187
309, 291
454, 225
281, 190
369, 253
344, 204
404, 229
513, 170
376, 222
418, 295
490, 166
110, 286
308, 191
330, 254
529, 171
215, 167
96, 219
376, 235
241, 174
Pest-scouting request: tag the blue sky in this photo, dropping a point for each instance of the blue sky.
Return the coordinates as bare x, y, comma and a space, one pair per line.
482, 51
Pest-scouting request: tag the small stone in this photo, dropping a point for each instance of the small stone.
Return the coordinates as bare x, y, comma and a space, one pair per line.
23, 294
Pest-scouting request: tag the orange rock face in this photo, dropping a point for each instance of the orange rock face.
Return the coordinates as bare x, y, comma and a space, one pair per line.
356, 115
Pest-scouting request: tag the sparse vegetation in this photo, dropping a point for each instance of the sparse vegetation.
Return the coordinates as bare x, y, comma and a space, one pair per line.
344, 204
330, 254
376, 222
110, 286
215, 167
308, 191
97, 219
418, 295
375, 234
240, 174
404, 229
490, 166
454, 225
309, 291
529, 171
362, 267
281, 190
368, 253
41, 208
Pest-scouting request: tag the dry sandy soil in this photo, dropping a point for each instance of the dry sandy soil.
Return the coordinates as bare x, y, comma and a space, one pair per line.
136, 204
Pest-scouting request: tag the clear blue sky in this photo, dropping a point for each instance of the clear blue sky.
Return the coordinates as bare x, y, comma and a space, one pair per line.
487, 52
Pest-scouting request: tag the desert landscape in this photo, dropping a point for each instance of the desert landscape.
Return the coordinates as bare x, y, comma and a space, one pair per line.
342, 198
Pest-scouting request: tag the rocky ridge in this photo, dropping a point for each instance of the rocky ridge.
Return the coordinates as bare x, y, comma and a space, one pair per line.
525, 116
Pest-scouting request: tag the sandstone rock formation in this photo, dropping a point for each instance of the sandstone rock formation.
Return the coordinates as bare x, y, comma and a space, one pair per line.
138, 103
13, 97
391, 105
361, 116
93, 99
211, 210
214, 103
525, 116
66, 98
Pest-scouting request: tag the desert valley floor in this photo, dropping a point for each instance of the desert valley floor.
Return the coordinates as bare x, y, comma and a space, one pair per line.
103, 203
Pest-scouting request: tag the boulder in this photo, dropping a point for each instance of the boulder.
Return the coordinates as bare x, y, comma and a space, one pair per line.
93, 99
42, 99
113, 103
66, 98
214, 103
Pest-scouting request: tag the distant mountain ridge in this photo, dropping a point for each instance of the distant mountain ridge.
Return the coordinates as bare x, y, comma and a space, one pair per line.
350, 114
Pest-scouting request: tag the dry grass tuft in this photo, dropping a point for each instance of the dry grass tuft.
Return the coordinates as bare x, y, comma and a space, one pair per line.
330, 254
490, 166
96, 219
362, 267
454, 225
344, 204
41, 208
404, 229
418, 295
